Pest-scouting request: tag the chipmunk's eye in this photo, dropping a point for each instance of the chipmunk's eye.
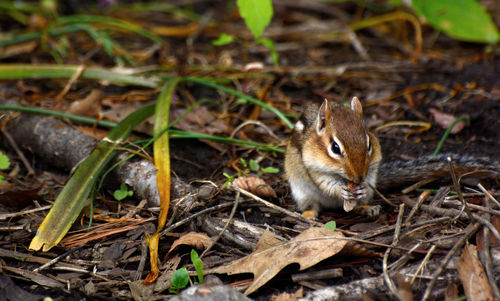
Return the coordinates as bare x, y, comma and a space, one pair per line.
369, 146
336, 148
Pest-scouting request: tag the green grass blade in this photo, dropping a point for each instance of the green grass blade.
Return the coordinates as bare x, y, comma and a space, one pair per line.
25, 71
465, 118
72, 198
121, 24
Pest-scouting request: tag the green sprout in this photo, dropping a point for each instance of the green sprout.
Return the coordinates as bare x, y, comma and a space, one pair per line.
122, 193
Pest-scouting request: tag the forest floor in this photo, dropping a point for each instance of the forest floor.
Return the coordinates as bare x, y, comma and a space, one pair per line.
409, 98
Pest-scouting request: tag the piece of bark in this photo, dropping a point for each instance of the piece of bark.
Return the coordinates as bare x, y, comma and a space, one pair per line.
62, 146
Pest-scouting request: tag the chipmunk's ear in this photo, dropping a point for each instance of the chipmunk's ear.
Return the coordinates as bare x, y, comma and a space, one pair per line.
323, 115
356, 106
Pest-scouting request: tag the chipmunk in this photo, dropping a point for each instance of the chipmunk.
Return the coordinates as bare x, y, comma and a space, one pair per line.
331, 159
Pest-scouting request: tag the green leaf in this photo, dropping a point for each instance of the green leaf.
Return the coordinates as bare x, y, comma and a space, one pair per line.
72, 198
331, 225
223, 39
254, 165
464, 20
270, 45
4, 161
257, 14
122, 193
180, 278
198, 265
119, 195
270, 169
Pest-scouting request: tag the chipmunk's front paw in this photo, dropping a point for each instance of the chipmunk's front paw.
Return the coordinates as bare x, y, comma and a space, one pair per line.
347, 194
360, 192
352, 194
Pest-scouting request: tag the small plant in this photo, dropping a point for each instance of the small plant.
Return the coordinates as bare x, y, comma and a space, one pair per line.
122, 193
255, 167
4, 164
180, 278
257, 15
198, 265
248, 167
230, 180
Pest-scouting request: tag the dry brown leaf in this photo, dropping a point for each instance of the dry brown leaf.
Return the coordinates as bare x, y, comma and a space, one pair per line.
472, 275
197, 240
255, 185
445, 120
267, 240
307, 249
89, 106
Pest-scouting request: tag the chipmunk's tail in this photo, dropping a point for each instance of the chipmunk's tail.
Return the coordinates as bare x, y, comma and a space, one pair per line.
399, 173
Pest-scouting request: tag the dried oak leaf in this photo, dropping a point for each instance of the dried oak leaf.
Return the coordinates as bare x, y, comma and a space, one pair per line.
255, 185
473, 276
307, 249
197, 240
